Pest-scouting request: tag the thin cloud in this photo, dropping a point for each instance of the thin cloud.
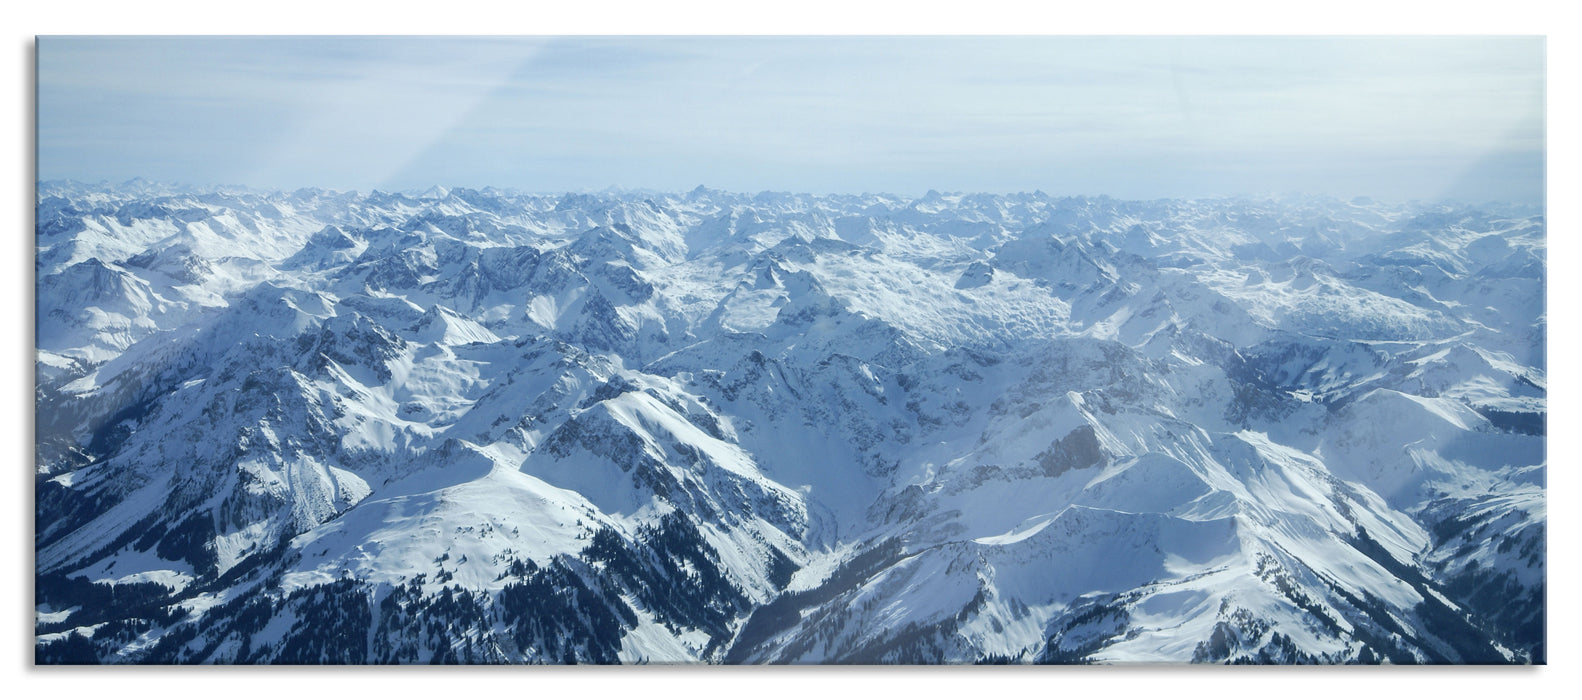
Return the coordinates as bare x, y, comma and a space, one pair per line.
1129, 116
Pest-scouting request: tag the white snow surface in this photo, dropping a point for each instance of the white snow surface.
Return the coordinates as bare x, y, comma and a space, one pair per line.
951, 429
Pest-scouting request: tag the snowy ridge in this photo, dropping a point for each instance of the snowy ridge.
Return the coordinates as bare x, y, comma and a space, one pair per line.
483, 426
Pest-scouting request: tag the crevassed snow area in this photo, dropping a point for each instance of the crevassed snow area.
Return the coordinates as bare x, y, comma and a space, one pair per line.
484, 426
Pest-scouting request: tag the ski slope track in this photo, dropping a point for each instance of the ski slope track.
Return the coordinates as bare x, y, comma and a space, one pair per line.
482, 426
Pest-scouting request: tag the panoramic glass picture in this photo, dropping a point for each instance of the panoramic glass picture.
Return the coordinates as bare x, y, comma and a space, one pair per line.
790, 350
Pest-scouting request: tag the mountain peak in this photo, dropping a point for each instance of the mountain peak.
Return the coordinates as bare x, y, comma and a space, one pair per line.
496, 427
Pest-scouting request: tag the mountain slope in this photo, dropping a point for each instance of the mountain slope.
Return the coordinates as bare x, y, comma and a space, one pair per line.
491, 427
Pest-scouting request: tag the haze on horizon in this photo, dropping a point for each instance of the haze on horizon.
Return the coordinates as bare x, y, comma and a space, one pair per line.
1131, 117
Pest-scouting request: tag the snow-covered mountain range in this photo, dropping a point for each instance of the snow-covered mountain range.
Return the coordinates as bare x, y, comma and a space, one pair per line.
492, 427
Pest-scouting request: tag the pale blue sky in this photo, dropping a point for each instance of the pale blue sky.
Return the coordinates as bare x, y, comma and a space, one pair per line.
1132, 117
